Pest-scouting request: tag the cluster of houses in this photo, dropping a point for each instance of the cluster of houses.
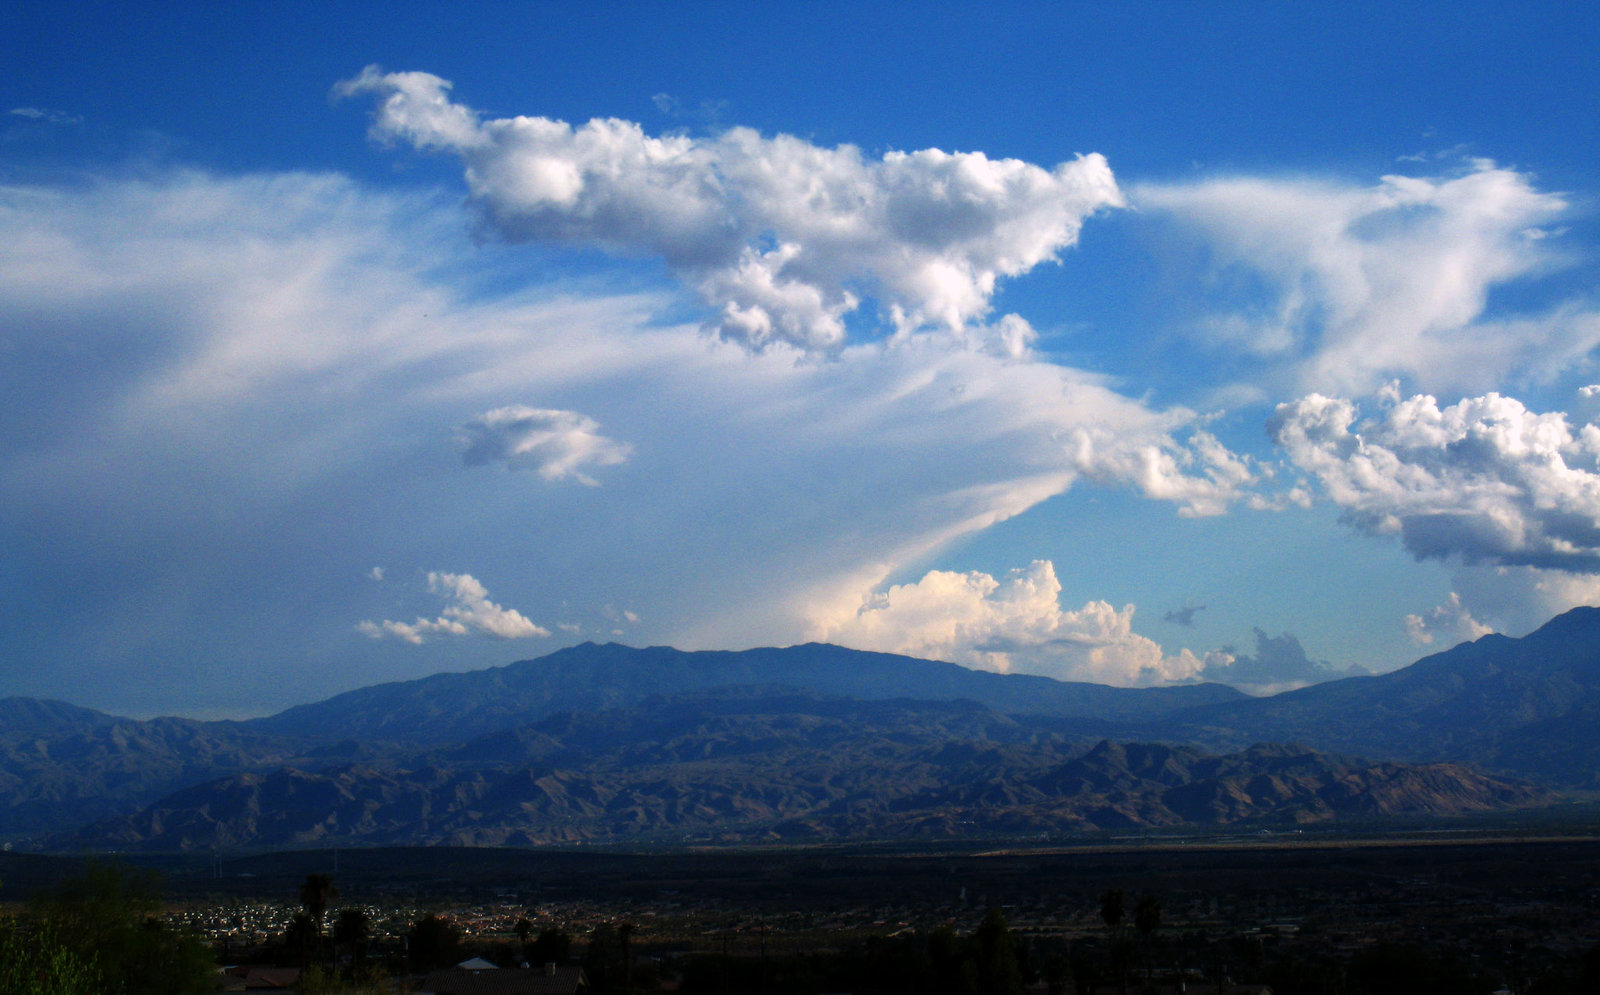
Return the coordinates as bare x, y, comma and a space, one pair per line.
472, 977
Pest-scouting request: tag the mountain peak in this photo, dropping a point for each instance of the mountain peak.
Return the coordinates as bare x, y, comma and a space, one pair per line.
1520, 705
1585, 620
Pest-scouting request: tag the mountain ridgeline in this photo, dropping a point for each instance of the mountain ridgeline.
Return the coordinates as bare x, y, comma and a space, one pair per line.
813, 742
1528, 706
590, 677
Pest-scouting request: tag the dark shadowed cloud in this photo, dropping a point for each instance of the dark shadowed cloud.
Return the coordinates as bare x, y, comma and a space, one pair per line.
1279, 663
1183, 616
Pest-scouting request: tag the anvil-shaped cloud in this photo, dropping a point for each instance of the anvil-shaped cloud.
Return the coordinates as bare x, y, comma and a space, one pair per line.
225, 393
225, 396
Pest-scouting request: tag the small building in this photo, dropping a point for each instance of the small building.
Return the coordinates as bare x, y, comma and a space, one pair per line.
551, 979
259, 979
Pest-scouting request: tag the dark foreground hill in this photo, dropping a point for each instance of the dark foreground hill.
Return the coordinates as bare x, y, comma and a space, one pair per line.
794, 767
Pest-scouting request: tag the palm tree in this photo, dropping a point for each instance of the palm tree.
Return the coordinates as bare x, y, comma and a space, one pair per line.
625, 932
353, 929
994, 950
1147, 919
1113, 907
299, 937
433, 942
315, 895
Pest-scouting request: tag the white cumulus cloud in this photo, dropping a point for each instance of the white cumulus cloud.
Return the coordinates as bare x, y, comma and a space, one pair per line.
555, 444
1010, 625
1202, 477
468, 610
1448, 624
782, 238
1517, 600
1485, 480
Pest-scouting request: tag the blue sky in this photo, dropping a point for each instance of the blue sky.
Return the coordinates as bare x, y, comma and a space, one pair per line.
1120, 342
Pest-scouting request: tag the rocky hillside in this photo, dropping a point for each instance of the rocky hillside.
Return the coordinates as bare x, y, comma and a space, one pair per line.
61, 766
748, 768
813, 740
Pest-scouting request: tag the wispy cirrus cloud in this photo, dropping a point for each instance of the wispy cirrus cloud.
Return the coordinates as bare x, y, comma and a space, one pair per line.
1339, 287
46, 114
783, 239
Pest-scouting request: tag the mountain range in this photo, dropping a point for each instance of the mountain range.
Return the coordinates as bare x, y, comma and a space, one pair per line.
591, 677
608, 742
1529, 707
